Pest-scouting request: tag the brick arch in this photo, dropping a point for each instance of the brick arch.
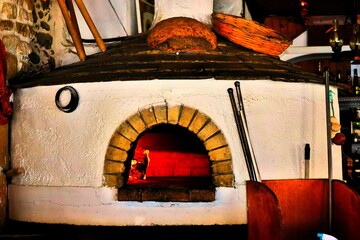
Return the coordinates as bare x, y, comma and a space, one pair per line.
193, 120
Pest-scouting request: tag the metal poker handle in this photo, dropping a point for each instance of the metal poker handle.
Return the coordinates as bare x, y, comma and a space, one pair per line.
244, 138
246, 130
307, 160
328, 125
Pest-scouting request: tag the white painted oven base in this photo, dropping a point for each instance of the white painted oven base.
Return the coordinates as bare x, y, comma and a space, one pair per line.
98, 206
63, 153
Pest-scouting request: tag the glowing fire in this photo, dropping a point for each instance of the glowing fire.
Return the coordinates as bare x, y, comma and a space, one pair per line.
139, 164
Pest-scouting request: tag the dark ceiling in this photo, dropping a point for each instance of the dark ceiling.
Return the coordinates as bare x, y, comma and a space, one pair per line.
260, 9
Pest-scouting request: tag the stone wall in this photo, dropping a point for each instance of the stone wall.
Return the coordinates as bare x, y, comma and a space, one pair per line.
35, 36
16, 32
52, 42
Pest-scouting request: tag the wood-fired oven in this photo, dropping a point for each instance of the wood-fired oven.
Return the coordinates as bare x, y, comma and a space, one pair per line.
131, 105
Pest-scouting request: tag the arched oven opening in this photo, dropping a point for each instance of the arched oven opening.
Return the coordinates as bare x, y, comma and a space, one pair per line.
168, 163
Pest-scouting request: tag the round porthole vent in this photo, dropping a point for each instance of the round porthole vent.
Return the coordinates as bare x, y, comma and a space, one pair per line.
67, 99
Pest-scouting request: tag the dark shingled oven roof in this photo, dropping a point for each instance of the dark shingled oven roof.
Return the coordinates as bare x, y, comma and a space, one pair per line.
132, 59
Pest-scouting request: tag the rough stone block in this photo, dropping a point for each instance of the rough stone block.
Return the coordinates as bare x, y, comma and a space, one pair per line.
202, 195
186, 116
148, 116
137, 123
215, 142
226, 180
127, 131
209, 130
220, 154
129, 195
112, 167
116, 154
178, 194
110, 180
160, 113
199, 121
149, 194
120, 142
222, 167
173, 114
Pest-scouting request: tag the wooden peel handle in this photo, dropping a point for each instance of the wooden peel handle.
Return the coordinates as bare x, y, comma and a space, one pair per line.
91, 25
72, 30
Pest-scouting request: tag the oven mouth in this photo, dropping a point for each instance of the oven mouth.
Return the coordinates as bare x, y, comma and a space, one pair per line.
188, 156
168, 163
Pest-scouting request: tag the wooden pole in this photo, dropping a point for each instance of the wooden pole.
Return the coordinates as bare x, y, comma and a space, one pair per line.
70, 6
4, 164
330, 177
91, 25
72, 30
4, 156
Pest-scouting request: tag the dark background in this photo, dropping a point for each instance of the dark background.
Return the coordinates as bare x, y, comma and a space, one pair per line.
23, 230
260, 9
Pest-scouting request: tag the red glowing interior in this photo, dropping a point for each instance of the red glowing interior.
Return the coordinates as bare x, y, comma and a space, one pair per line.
170, 151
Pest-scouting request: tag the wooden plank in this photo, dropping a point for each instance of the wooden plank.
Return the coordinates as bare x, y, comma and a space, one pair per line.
4, 155
4, 165
3, 200
304, 206
301, 208
287, 26
264, 215
346, 211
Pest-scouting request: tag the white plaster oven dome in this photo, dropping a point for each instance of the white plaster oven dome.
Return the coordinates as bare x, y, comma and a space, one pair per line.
74, 162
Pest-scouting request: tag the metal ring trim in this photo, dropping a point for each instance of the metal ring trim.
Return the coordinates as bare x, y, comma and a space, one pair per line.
74, 100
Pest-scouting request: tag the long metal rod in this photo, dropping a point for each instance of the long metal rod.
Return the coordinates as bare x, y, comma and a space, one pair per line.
327, 96
240, 101
245, 147
307, 160
241, 109
117, 16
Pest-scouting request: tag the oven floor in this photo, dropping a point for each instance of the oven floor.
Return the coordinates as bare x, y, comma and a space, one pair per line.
172, 182
168, 189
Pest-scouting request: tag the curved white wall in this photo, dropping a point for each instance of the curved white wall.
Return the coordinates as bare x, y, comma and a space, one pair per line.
63, 153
